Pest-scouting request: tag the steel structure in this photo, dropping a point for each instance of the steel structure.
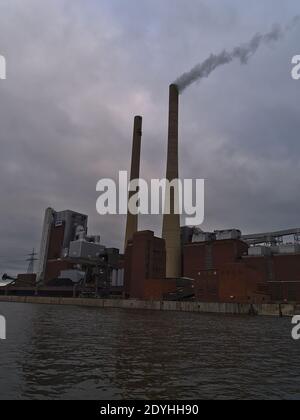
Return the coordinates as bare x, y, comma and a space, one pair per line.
272, 238
31, 260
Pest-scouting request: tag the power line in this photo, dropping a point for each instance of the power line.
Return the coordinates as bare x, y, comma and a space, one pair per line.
15, 256
13, 261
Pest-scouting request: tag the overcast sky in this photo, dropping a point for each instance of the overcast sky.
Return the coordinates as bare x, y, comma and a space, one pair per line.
78, 72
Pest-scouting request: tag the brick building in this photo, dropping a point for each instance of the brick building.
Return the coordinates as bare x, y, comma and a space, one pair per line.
281, 275
241, 283
59, 230
221, 273
145, 268
225, 271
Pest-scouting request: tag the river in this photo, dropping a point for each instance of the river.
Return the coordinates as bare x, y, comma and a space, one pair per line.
56, 352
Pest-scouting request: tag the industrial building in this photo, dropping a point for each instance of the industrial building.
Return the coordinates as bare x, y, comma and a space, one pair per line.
220, 266
227, 266
59, 230
184, 263
71, 263
145, 266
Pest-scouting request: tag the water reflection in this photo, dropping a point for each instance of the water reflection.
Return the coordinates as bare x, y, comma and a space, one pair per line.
74, 353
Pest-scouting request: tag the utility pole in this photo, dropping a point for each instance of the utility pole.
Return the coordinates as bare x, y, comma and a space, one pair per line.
31, 260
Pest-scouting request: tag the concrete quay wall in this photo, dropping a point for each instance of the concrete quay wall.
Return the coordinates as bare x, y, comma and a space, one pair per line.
286, 310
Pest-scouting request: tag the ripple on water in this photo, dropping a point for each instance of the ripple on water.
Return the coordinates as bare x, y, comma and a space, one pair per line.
88, 353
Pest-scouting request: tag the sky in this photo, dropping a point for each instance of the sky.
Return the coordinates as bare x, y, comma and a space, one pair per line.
78, 71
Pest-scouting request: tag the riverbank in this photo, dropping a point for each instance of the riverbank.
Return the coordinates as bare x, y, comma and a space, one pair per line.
277, 310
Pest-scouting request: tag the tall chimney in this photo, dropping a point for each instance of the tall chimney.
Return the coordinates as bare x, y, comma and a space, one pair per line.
132, 220
171, 222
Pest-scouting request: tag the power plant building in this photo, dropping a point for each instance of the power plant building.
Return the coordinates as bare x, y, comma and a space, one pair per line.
145, 267
186, 263
59, 230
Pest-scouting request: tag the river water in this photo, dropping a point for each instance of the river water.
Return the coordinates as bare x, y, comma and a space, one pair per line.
56, 352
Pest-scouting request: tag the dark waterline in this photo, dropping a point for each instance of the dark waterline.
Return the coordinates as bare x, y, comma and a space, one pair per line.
84, 353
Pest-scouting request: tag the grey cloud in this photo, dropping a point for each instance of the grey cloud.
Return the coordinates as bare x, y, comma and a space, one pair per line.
79, 71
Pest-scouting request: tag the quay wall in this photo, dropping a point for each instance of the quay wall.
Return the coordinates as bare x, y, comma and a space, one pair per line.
278, 310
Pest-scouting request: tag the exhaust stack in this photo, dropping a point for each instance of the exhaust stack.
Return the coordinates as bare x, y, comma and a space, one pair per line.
171, 222
132, 220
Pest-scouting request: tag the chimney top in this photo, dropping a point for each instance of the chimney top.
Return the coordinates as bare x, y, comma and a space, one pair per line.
174, 87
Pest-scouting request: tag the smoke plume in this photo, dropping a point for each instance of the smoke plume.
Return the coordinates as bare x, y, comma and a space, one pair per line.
243, 53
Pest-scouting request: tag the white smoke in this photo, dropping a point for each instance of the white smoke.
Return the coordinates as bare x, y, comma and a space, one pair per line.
243, 53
